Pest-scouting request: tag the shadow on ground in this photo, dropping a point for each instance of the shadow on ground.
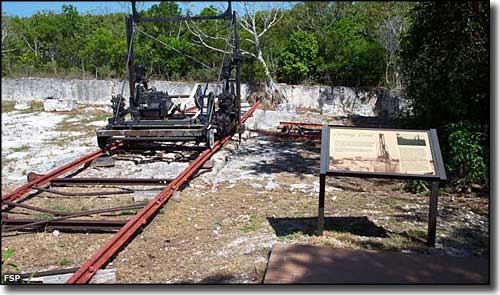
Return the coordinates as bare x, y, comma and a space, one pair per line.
360, 226
218, 278
373, 122
287, 156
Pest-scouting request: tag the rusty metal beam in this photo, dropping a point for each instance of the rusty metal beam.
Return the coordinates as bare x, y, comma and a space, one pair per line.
191, 109
21, 205
38, 181
285, 123
44, 273
155, 133
288, 135
9, 224
89, 268
43, 222
83, 194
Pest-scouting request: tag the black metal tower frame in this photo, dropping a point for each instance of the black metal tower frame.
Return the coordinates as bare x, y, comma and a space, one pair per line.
173, 129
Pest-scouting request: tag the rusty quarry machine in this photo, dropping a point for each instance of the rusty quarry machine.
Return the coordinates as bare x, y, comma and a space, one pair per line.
153, 116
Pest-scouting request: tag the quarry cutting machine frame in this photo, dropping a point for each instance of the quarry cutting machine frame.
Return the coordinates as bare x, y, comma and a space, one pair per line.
157, 116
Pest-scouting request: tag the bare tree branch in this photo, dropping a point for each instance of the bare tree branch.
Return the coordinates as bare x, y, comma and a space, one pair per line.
5, 34
256, 24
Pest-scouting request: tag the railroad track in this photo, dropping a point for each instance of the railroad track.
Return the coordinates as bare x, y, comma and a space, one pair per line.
298, 131
67, 221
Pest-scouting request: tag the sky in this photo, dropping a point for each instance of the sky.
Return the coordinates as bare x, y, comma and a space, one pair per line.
28, 8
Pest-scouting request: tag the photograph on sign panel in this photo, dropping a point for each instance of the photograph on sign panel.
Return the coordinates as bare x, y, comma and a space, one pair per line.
410, 140
415, 153
380, 151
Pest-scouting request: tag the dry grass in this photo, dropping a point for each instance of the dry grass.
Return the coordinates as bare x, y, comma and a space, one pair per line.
22, 148
307, 110
50, 250
64, 140
8, 106
35, 106
224, 234
81, 125
38, 251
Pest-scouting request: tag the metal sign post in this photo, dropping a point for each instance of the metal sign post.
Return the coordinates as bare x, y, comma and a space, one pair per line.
325, 150
432, 221
382, 153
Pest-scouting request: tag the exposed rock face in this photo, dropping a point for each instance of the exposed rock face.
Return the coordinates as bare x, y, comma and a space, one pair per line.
342, 101
86, 91
91, 91
337, 101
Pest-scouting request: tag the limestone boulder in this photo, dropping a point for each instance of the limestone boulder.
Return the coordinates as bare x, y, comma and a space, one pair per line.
58, 105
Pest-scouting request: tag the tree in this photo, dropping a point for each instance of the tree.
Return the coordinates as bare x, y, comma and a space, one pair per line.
391, 25
6, 34
445, 58
352, 56
58, 44
445, 54
99, 49
315, 16
255, 25
297, 61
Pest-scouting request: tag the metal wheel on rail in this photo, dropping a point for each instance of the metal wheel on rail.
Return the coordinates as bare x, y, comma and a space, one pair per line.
102, 141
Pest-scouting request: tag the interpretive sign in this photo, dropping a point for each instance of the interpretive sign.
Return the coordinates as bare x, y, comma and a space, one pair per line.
382, 153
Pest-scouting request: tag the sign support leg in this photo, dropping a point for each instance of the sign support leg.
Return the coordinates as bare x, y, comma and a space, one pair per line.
321, 204
433, 202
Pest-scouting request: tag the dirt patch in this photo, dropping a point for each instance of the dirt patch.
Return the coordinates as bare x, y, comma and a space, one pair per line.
222, 231
46, 251
223, 224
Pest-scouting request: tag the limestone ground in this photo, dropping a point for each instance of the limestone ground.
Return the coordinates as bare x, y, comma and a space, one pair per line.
224, 223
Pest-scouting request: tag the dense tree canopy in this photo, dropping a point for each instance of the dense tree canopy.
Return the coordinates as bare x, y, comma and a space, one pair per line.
298, 59
445, 58
313, 42
356, 59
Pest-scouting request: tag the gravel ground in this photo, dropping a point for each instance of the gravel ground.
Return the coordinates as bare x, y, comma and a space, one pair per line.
221, 227
31, 138
224, 226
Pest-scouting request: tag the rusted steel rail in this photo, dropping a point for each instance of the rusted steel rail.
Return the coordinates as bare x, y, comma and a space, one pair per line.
285, 123
43, 179
191, 109
49, 211
83, 194
288, 135
297, 131
51, 272
85, 273
42, 222
108, 181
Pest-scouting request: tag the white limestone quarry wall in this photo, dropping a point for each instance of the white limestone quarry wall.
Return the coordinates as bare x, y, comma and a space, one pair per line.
342, 101
337, 101
85, 91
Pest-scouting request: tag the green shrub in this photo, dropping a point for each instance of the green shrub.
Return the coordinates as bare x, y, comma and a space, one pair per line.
415, 186
467, 156
253, 71
64, 262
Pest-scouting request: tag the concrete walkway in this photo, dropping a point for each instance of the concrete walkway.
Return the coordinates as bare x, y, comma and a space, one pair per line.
304, 264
